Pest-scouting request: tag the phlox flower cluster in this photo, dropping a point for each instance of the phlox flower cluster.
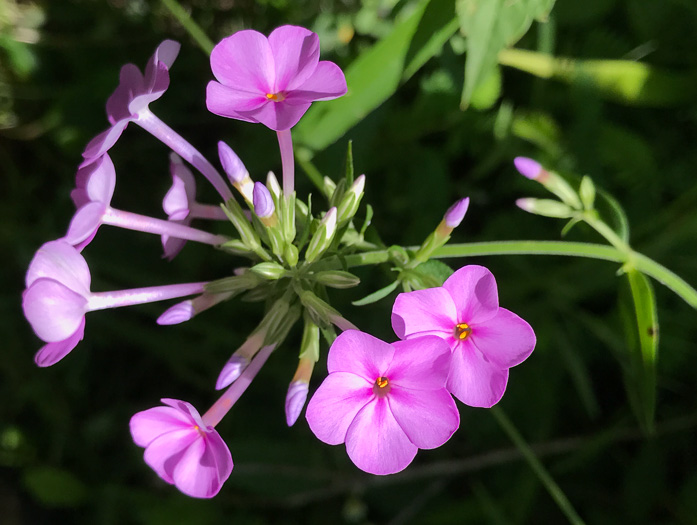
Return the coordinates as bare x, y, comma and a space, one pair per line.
383, 400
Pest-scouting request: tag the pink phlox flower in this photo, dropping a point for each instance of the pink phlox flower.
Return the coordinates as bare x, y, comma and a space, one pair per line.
182, 449
485, 340
133, 94
94, 188
177, 203
55, 301
385, 401
271, 80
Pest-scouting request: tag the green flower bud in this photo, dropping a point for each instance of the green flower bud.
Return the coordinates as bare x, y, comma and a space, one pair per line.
546, 208
322, 238
269, 270
337, 279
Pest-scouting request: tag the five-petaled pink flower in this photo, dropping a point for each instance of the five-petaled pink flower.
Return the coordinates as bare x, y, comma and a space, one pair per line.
385, 401
486, 340
182, 449
271, 80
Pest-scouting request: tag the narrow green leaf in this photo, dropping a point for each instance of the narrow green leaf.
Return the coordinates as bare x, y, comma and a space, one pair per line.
490, 26
638, 310
376, 296
436, 269
349, 164
375, 75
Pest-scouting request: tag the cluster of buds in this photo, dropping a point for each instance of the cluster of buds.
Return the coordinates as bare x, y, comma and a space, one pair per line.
385, 401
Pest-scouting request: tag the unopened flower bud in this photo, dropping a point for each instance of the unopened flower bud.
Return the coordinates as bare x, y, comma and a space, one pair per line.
273, 185
231, 371
351, 200
546, 208
322, 238
290, 255
264, 206
235, 170
337, 279
529, 168
295, 400
179, 313
453, 217
269, 270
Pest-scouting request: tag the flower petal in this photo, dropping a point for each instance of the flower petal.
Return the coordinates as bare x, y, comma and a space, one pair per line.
376, 443
421, 363
203, 468
165, 452
61, 262
54, 311
277, 116
84, 224
506, 339
51, 353
361, 354
424, 312
335, 404
95, 182
473, 380
229, 102
295, 53
131, 83
148, 425
244, 61
326, 83
474, 292
428, 418
103, 142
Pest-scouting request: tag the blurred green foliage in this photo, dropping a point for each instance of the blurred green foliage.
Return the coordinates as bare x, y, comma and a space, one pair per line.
65, 451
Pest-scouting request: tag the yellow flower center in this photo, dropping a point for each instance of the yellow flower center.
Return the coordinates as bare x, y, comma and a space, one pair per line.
276, 97
381, 387
462, 331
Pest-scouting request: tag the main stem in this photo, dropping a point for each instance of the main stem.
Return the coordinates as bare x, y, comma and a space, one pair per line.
285, 143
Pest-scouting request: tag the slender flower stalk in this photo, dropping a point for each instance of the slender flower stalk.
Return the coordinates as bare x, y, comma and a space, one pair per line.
161, 131
217, 412
285, 144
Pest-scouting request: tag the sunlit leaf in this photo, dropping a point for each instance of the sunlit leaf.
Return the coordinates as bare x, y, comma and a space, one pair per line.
375, 75
490, 26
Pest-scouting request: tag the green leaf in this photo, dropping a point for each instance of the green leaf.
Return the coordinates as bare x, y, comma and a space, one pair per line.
638, 311
376, 296
375, 75
436, 269
54, 487
490, 26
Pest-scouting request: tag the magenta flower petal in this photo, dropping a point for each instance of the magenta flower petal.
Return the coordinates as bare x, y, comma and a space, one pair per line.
84, 224
181, 449
335, 405
376, 443
244, 60
59, 261
474, 380
423, 312
54, 311
295, 52
51, 353
271, 81
131, 82
182, 193
103, 142
427, 417
148, 425
95, 182
505, 339
360, 354
421, 363
326, 83
474, 292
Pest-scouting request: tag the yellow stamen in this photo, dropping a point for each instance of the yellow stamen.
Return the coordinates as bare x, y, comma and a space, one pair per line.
382, 382
276, 97
462, 331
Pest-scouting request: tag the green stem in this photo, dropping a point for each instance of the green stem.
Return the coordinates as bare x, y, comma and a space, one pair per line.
536, 465
609, 234
578, 249
194, 30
